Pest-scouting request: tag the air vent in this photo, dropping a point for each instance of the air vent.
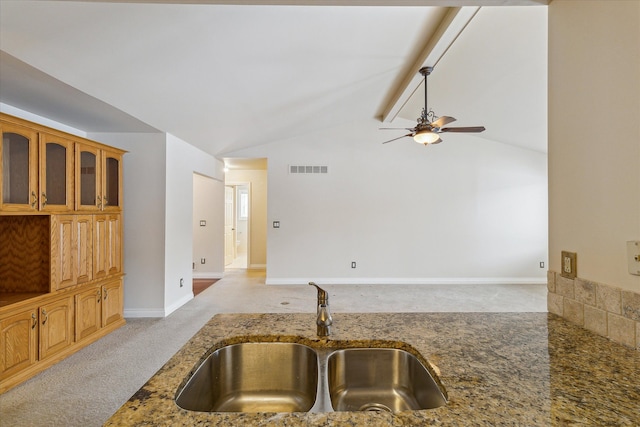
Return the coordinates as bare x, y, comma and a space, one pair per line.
308, 169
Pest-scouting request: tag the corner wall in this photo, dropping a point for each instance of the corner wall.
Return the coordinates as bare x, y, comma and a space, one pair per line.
182, 160
594, 156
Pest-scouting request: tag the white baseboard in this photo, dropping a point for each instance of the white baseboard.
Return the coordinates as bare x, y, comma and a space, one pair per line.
409, 281
158, 312
143, 312
209, 275
257, 266
177, 304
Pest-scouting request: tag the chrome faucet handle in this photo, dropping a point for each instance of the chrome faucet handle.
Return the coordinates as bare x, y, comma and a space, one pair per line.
323, 319
323, 296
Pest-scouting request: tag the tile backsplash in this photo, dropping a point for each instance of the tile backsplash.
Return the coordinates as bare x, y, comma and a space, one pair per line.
603, 309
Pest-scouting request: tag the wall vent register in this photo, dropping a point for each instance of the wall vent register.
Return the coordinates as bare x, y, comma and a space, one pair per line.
308, 169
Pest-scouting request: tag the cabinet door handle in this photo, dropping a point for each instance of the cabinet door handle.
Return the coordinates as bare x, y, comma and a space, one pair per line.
44, 200
104, 293
34, 199
46, 316
35, 321
99, 204
98, 294
105, 202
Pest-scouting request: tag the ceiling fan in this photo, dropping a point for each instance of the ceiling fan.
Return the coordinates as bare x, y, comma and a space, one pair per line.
429, 126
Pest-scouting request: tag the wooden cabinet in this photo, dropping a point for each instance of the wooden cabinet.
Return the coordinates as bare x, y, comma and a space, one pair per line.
98, 178
35, 334
71, 250
107, 245
19, 343
56, 173
56, 327
61, 284
84, 248
112, 302
97, 308
88, 313
19, 161
37, 170
63, 248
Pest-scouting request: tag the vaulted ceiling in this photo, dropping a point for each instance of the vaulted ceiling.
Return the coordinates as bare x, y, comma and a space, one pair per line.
225, 75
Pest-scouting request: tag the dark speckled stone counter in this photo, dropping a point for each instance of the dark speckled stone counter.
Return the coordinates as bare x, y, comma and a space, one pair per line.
511, 369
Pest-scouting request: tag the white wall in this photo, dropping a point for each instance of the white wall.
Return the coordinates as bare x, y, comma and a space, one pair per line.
208, 197
182, 161
465, 211
257, 182
144, 218
594, 136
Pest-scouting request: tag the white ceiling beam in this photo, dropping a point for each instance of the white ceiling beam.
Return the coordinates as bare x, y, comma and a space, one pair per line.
451, 26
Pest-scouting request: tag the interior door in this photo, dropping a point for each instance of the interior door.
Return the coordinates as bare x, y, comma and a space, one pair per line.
229, 232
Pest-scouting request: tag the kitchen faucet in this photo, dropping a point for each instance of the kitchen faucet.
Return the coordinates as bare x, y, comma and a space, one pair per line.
323, 320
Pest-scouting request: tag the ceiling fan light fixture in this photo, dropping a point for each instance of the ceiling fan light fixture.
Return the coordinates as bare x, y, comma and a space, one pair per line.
426, 137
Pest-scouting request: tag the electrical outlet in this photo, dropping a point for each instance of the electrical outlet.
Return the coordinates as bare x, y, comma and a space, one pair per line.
541, 264
202, 260
181, 282
569, 265
353, 264
276, 224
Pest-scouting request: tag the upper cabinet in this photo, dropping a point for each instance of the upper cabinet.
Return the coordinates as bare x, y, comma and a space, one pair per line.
56, 173
98, 178
37, 170
44, 170
19, 161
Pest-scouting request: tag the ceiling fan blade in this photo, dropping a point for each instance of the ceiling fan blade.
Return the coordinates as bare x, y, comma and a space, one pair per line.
469, 129
437, 142
395, 128
441, 121
409, 134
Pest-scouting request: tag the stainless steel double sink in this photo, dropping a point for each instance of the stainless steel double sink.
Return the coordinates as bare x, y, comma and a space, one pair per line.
290, 377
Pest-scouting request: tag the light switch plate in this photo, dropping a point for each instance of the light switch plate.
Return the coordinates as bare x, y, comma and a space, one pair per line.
633, 257
568, 265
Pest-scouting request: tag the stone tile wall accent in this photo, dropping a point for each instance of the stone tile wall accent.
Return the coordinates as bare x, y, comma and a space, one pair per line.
603, 309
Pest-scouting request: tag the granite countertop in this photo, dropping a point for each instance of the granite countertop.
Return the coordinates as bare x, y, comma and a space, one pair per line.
521, 369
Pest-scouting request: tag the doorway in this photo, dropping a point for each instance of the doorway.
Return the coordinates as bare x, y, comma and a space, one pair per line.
237, 211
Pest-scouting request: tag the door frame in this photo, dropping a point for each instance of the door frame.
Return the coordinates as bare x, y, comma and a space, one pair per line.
235, 185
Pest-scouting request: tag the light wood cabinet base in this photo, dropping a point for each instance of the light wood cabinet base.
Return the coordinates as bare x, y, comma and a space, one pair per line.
42, 365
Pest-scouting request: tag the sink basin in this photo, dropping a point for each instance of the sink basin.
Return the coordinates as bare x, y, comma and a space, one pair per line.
289, 377
254, 377
380, 379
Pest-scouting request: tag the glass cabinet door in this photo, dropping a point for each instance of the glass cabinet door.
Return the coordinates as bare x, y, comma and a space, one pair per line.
111, 180
88, 171
56, 173
19, 164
